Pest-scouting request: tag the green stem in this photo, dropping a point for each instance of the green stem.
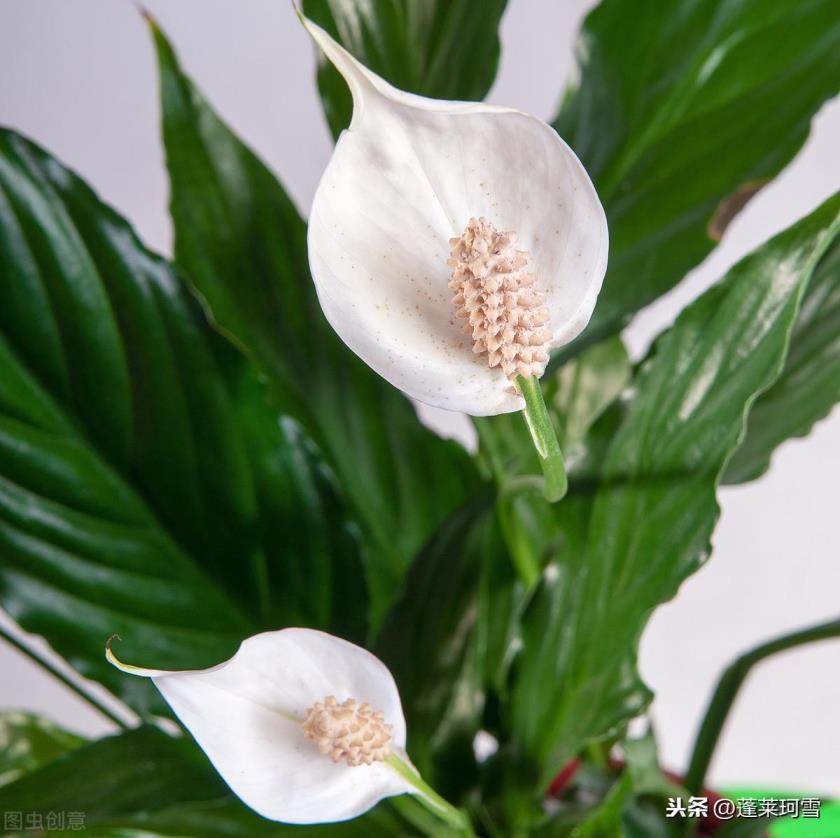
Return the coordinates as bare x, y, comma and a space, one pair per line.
433, 801
544, 437
56, 673
727, 689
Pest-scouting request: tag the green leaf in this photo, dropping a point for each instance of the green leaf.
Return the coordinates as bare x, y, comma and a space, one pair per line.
243, 245
314, 574
642, 759
438, 48
146, 783
680, 115
595, 807
446, 658
653, 515
140, 469
809, 386
27, 742
118, 775
587, 385
605, 822
107, 330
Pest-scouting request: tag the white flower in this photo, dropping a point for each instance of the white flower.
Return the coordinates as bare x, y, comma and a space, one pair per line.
430, 211
304, 727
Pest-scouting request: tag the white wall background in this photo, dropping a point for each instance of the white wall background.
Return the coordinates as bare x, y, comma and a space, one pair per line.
80, 78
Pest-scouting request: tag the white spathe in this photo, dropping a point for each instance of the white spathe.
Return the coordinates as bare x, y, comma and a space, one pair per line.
247, 715
405, 177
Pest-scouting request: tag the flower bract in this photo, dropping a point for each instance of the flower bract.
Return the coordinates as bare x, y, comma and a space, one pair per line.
452, 244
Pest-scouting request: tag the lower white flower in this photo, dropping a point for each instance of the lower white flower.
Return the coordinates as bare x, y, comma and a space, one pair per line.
304, 727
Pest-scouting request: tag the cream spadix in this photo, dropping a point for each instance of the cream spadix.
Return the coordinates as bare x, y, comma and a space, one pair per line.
434, 212
304, 727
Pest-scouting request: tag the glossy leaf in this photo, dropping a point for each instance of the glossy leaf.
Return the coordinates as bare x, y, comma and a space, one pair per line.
808, 388
242, 243
653, 515
114, 776
140, 467
680, 116
446, 657
314, 575
437, 48
106, 329
27, 742
587, 385
82, 557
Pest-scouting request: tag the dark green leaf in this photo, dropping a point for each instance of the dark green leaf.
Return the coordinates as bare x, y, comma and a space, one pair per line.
681, 114
117, 775
140, 468
809, 386
108, 332
81, 555
445, 49
144, 782
652, 517
27, 742
243, 245
314, 574
449, 640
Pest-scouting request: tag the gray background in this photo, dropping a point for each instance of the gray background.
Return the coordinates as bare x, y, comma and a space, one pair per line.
79, 77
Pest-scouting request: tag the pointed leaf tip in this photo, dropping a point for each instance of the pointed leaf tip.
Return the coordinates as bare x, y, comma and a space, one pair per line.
146, 15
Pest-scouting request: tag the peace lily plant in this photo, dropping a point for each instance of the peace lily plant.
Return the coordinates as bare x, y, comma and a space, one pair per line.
453, 245
304, 727
200, 452
441, 302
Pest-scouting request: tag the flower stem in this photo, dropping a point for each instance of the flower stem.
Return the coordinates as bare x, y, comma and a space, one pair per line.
59, 675
457, 819
727, 689
544, 437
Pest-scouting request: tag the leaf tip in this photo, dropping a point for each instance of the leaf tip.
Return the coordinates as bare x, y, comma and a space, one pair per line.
730, 206
145, 14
